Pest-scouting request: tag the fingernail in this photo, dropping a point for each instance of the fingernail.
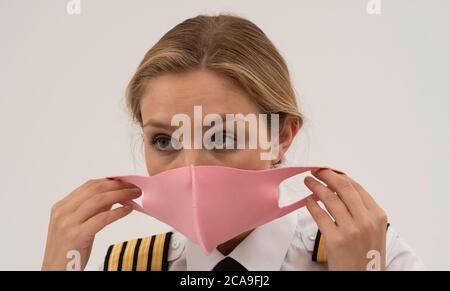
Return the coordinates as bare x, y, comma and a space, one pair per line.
339, 172
314, 172
309, 200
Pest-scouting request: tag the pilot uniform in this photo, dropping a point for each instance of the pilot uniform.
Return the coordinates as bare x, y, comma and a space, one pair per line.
291, 242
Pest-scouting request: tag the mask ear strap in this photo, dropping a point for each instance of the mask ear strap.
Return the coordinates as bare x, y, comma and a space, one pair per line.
287, 172
135, 206
294, 206
138, 181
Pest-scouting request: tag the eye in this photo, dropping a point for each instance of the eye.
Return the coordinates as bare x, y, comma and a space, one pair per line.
223, 140
165, 143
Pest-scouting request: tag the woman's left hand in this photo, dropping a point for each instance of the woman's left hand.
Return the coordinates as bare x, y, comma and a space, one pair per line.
357, 225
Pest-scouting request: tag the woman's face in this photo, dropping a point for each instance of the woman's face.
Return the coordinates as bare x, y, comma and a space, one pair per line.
173, 94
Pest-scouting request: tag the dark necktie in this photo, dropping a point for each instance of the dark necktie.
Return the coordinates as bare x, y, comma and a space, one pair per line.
229, 264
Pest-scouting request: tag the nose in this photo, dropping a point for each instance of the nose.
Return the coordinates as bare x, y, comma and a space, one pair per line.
195, 157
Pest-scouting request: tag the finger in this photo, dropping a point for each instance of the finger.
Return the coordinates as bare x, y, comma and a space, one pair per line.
333, 204
106, 185
369, 202
103, 201
78, 189
321, 217
343, 187
99, 221
94, 187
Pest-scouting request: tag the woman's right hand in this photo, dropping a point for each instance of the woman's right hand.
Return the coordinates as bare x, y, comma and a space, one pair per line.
76, 219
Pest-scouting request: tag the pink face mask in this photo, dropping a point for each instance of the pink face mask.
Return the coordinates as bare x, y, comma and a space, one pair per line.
212, 204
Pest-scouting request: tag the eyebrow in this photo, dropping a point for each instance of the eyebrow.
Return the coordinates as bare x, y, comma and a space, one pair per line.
159, 124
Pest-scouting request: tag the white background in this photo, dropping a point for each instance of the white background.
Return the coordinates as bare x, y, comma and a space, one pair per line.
375, 89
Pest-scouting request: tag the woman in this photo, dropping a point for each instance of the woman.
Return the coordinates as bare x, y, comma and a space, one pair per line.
226, 64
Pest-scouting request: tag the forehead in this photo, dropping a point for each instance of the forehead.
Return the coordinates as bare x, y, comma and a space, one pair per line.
179, 93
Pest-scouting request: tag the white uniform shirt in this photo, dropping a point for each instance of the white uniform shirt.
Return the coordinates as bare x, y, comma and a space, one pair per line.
285, 244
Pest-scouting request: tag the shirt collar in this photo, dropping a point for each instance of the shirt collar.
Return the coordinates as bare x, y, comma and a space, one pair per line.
264, 249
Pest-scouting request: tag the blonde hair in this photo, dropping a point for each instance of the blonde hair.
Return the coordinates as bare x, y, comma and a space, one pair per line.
226, 44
